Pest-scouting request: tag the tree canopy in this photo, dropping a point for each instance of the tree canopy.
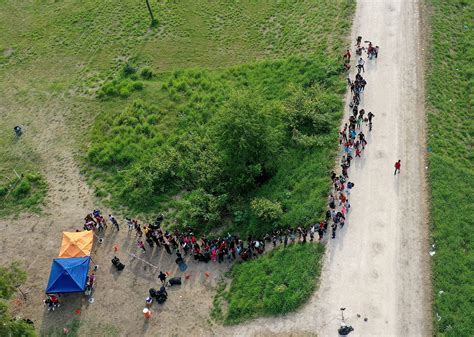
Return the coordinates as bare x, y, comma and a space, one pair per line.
11, 277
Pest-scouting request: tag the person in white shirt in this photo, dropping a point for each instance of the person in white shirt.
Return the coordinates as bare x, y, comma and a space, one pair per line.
360, 65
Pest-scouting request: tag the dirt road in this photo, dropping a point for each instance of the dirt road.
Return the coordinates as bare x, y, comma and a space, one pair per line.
378, 266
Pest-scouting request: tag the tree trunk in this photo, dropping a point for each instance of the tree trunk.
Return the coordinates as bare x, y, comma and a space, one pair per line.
150, 11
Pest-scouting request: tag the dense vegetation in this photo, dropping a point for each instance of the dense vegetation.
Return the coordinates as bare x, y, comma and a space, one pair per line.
264, 287
260, 134
450, 105
11, 277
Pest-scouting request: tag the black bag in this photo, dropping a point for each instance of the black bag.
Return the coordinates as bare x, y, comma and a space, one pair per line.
116, 262
161, 298
175, 281
152, 292
345, 330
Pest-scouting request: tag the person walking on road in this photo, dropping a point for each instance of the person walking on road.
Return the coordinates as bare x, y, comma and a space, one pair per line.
397, 167
360, 65
370, 115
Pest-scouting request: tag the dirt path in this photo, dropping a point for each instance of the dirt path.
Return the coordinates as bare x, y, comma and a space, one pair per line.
378, 267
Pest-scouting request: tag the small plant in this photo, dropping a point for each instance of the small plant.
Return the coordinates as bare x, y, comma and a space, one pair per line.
22, 189
146, 73
266, 210
128, 69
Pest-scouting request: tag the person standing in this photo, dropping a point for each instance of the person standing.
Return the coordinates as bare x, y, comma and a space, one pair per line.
398, 165
334, 228
350, 185
347, 56
162, 277
114, 221
370, 115
167, 247
130, 224
141, 245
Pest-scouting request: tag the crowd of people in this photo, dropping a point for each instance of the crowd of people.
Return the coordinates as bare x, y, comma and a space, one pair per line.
151, 236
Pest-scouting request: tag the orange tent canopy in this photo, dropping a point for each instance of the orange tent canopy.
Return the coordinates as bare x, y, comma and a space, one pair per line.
76, 244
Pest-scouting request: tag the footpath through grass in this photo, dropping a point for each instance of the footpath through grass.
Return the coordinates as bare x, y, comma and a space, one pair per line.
450, 90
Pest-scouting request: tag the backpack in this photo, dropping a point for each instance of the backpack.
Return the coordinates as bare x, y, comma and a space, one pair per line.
175, 281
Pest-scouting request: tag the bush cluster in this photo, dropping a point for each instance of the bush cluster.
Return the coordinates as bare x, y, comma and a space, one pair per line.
266, 210
218, 137
119, 88
126, 83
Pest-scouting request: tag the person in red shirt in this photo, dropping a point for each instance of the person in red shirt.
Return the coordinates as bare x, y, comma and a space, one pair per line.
397, 167
347, 56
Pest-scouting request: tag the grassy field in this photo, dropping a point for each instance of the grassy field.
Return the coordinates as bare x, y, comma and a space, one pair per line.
450, 105
147, 112
274, 284
62, 53
155, 145
21, 185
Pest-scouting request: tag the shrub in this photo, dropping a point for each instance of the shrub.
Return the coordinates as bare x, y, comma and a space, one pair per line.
124, 92
22, 189
244, 134
203, 209
266, 210
27, 193
3, 191
128, 69
137, 85
146, 73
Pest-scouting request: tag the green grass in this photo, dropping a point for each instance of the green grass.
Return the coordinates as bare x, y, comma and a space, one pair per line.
149, 153
61, 53
17, 159
78, 327
450, 89
274, 284
26, 192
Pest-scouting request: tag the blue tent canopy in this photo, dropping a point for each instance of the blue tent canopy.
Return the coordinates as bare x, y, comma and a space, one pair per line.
68, 275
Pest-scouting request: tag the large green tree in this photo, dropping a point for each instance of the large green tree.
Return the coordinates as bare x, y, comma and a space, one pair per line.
249, 137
